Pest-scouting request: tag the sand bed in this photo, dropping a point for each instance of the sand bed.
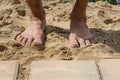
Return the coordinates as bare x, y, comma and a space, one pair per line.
103, 20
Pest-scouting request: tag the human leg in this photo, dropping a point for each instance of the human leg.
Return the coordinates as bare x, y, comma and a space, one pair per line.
80, 34
34, 33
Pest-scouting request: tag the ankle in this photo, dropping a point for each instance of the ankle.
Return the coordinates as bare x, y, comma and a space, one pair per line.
78, 18
75, 20
41, 20
37, 15
38, 23
78, 25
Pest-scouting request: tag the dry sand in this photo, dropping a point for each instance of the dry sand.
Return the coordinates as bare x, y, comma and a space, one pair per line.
103, 20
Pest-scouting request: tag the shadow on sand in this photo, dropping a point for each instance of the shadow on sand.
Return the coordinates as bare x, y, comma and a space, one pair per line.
108, 37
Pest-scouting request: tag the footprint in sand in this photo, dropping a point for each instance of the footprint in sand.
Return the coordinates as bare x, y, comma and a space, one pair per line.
3, 48
65, 54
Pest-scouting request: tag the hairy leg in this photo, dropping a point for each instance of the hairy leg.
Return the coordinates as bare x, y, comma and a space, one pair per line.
34, 33
80, 34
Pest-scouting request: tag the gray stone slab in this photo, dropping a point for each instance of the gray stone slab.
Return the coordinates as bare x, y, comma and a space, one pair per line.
64, 70
110, 69
8, 70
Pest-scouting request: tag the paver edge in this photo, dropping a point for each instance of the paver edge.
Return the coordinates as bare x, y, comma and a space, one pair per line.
97, 69
102, 73
100, 69
17, 70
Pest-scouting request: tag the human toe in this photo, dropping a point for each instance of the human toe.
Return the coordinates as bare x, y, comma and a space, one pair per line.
87, 42
81, 42
37, 42
24, 40
19, 40
74, 44
73, 41
29, 41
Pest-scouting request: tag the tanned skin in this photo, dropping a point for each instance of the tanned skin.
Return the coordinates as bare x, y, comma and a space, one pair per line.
80, 34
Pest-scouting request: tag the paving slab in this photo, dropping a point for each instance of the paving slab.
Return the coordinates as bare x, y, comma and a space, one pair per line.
110, 69
8, 70
64, 70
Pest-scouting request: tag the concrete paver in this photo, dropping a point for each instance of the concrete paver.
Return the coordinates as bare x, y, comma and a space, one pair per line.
64, 70
8, 70
110, 69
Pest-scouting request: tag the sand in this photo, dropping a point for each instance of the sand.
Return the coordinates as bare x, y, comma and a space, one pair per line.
103, 20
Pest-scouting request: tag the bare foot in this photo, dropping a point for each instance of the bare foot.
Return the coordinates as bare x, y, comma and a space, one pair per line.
80, 36
33, 35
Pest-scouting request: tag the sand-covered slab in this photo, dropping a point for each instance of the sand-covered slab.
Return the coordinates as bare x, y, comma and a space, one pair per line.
110, 69
64, 70
8, 70
103, 19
